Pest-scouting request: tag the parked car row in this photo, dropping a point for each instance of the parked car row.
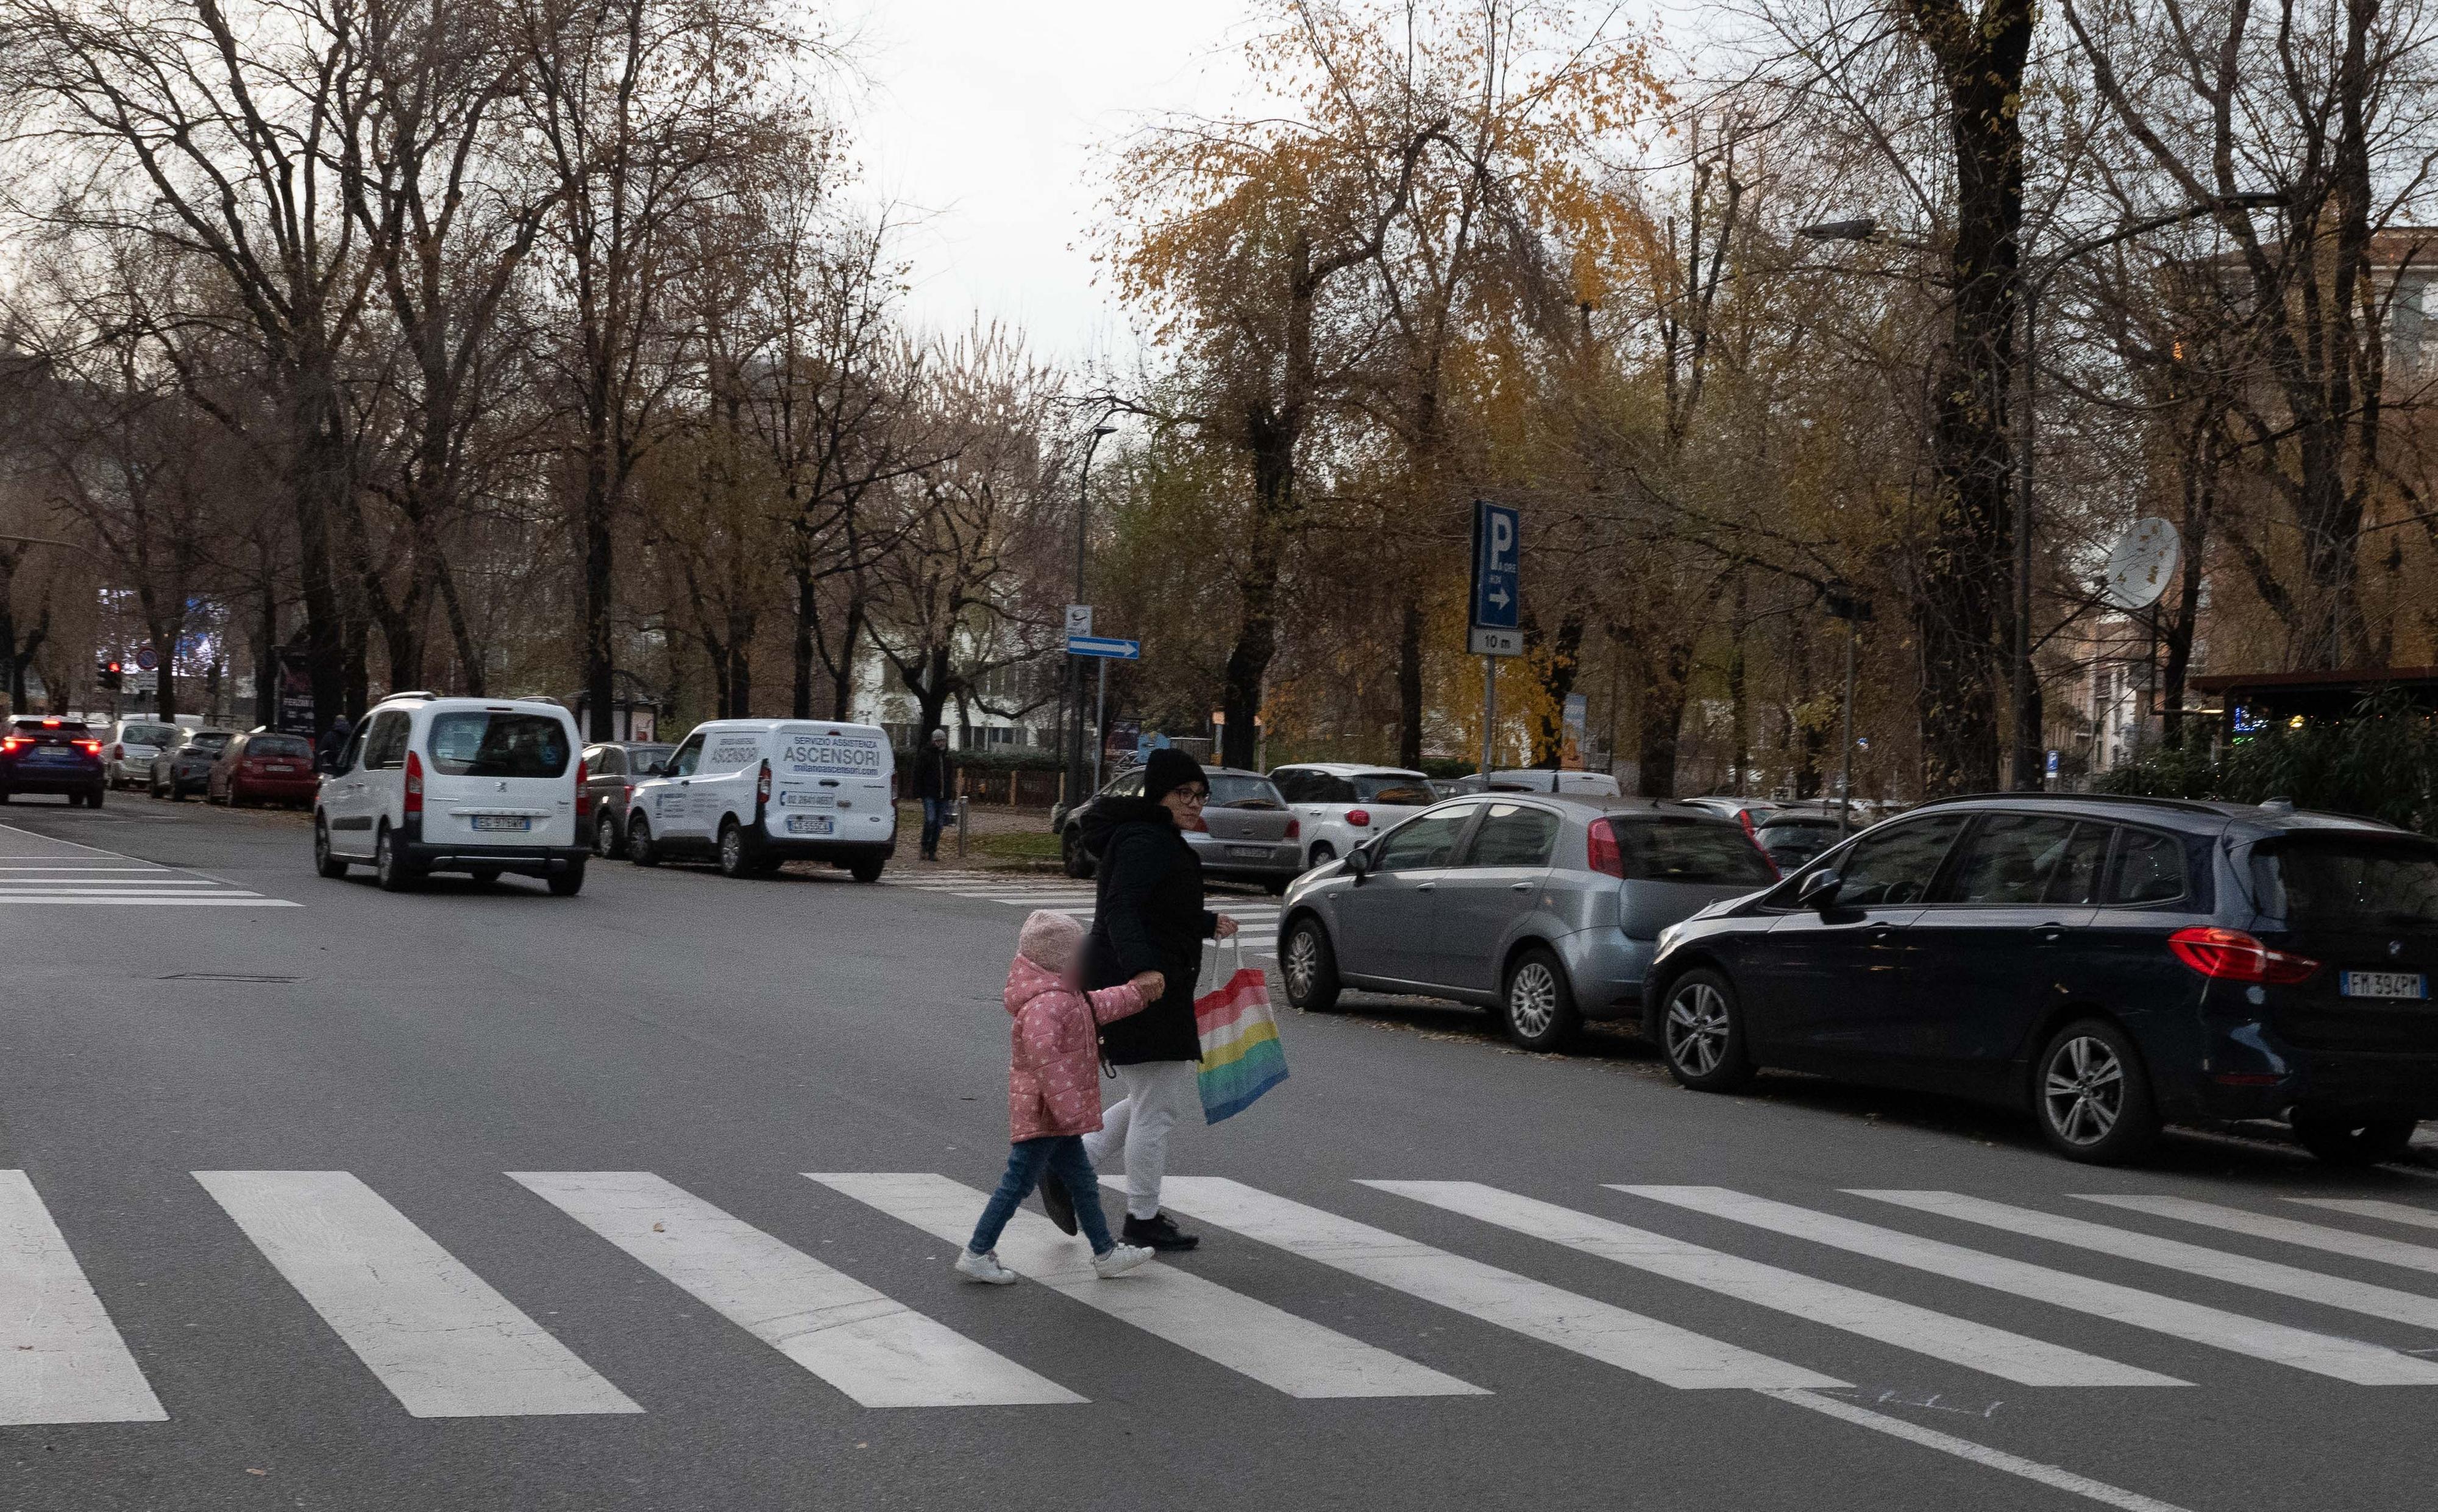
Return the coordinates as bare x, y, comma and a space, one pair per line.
2107, 964
237, 768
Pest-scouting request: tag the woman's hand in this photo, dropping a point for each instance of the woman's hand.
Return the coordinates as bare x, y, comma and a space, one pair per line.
1226, 927
1151, 984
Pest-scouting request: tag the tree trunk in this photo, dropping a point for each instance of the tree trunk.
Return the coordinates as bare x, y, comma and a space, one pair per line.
1409, 686
808, 609
1662, 719
1257, 588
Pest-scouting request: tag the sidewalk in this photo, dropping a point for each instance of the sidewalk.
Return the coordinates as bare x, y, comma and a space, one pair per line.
998, 838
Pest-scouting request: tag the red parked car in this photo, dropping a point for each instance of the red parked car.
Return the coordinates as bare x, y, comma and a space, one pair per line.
264, 767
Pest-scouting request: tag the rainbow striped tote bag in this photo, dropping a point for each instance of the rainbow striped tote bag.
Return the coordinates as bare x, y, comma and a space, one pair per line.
1240, 1056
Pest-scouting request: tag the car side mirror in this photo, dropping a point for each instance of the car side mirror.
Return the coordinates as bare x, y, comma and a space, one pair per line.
1820, 890
1357, 864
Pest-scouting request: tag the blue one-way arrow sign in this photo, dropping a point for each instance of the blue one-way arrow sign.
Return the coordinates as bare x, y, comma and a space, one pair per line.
1497, 557
1101, 645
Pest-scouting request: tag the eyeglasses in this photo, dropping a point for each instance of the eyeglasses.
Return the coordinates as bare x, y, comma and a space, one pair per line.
1195, 795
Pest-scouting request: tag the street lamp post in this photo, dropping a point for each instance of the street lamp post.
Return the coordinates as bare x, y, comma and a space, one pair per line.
1074, 664
2031, 284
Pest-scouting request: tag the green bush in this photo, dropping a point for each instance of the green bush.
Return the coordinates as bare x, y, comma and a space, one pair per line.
2380, 763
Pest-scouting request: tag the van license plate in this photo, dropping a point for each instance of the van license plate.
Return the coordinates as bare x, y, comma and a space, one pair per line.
2409, 984
503, 822
809, 823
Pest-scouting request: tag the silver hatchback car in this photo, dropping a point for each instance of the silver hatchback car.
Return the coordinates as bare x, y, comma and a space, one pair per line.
1543, 909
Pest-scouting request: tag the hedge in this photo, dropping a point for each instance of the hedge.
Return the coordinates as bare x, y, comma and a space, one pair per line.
2379, 763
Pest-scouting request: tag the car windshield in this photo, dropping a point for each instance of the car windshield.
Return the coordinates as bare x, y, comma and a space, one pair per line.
647, 760
146, 734
479, 742
277, 746
1394, 789
1674, 850
1229, 791
209, 741
2348, 881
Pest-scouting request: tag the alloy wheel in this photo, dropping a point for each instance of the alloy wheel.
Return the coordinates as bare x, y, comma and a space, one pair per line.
1697, 1028
1533, 999
2084, 1090
1302, 963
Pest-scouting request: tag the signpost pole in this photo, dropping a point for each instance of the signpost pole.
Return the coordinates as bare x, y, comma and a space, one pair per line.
1489, 712
1845, 778
1100, 725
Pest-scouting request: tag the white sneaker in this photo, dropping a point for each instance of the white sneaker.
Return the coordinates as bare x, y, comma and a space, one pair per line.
986, 1269
1120, 1260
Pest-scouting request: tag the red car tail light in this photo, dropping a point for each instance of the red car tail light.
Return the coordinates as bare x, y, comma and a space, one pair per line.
91, 748
1359, 818
1294, 829
583, 791
762, 786
414, 784
15, 743
1601, 851
2232, 956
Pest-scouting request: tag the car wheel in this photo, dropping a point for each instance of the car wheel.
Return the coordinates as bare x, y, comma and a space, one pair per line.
866, 871
605, 835
1276, 887
3, 794
152, 787
390, 868
1701, 1033
737, 851
2092, 1095
640, 848
1322, 854
93, 799
1072, 854
2342, 1141
569, 883
325, 861
76, 800
1538, 1006
1308, 965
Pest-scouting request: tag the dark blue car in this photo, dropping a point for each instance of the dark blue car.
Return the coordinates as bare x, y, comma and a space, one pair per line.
2109, 963
43, 753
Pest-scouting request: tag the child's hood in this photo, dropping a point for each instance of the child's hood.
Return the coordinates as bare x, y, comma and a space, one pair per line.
1028, 980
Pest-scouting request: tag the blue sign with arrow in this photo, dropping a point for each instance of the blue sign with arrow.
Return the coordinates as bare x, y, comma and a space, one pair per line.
1497, 557
1101, 645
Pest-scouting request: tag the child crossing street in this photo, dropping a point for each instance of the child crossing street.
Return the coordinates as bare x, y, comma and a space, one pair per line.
1054, 1091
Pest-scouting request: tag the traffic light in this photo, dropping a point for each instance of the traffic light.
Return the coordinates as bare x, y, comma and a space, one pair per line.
110, 673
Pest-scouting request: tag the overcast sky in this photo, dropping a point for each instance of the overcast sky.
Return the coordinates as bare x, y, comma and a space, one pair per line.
981, 121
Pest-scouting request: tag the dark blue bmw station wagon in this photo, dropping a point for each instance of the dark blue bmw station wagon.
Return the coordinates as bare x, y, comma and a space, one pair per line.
2110, 964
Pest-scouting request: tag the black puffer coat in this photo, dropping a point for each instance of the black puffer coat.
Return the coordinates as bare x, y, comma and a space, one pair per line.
1149, 917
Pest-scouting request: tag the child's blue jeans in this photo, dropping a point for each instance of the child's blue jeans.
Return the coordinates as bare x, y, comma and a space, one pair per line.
1061, 1155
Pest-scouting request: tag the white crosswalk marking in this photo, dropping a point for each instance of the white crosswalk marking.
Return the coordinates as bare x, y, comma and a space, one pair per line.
62, 1361
2284, 1230
2373, 1208
1229, 1328
2175, 1255
75, 875
1958, 1341
1646, 1346
2364, 1364
443, 1341
878, 1351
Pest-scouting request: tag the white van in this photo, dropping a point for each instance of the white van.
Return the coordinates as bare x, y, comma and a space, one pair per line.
755, 793
479, 785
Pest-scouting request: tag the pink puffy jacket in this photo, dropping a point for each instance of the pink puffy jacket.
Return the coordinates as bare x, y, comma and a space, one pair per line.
1053, 1074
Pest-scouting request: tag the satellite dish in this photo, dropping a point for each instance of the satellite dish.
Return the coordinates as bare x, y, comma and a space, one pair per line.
2141, 563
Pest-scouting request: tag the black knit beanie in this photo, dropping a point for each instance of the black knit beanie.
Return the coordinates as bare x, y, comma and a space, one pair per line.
1168, 770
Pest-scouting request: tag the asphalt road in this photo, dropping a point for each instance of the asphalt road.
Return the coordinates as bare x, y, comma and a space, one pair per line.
276, 1144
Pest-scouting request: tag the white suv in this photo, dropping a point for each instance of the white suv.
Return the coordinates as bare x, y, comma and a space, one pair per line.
755, 794
479, 785
1341, 804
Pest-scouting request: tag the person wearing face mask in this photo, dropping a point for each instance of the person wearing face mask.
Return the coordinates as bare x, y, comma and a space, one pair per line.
1149, 917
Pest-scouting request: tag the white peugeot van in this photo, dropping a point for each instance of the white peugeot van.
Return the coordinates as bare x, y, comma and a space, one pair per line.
479, 785
753, 794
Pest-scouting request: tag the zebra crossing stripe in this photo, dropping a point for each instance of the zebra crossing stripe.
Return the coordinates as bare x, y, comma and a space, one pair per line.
2373, 1208
189, 900
62, 1361
878, 1351
1252, 1338
1645, 1347
443, 1341
2175, 1255
1982, 1454
1958, 1341
2364, 1364
2284, 1230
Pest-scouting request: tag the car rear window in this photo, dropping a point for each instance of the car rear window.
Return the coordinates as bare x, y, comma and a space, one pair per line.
146, 734
1395, 791
1674, 850
1244, 792
478, 743
277, 746
2348, 881
216, 741
63, 727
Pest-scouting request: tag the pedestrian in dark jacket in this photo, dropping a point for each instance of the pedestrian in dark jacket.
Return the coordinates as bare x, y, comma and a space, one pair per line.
935, 784
334, 742
1149, 917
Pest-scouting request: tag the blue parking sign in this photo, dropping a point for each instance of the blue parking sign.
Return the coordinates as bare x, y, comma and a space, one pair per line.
1498, 556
